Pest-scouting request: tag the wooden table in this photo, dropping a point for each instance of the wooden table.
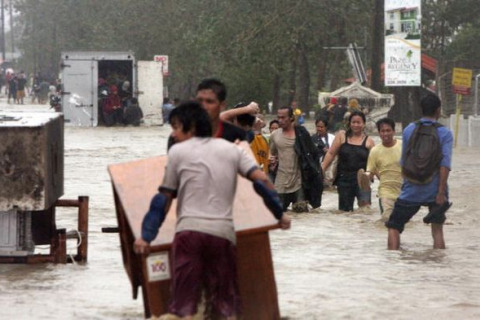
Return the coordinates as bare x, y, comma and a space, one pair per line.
134, 184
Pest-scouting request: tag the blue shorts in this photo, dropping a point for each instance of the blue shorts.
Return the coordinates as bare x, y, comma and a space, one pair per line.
404, 210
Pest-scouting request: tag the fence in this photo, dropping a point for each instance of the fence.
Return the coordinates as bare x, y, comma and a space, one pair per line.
445, 90
468, 130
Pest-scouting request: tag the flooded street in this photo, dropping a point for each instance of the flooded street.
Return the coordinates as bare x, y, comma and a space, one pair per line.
328, 266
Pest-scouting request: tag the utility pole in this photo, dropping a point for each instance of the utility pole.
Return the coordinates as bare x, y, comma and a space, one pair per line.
377, 46
2, 44
10, 10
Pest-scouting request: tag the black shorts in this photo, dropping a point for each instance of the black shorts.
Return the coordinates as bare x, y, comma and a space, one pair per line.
404, 210
293, 197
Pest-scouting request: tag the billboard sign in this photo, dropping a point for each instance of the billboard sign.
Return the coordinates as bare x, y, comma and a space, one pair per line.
403, 59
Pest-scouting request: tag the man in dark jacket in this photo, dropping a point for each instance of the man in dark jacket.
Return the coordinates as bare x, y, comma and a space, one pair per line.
298, 171
312, 176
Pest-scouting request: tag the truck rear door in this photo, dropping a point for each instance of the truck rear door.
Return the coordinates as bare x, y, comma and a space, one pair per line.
80, 96
150, 91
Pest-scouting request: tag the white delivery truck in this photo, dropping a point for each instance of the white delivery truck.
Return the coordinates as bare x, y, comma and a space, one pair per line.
81, 71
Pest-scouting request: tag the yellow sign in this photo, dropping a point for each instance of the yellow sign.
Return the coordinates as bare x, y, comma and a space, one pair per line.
462, 77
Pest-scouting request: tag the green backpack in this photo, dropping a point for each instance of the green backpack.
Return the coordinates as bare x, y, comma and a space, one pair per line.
423, 155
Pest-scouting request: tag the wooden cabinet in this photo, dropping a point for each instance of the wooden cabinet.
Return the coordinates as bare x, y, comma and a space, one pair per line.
134, 184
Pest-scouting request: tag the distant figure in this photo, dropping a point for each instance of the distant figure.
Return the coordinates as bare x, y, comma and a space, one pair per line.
132, 112
299, 117
353, 105
124, 92
35, 89
167, 108
323, 113
273, 125
433, 191
338, 113
21, 85
112, 108
43, 92
323, 140
12, 88
52, 91
2, 80
8, 76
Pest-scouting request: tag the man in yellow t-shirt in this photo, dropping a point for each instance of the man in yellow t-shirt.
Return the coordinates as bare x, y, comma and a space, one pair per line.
384, 162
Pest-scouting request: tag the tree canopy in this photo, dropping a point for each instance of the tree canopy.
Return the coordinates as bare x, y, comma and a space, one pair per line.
263, 50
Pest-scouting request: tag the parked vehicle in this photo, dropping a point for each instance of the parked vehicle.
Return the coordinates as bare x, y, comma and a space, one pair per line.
86, 74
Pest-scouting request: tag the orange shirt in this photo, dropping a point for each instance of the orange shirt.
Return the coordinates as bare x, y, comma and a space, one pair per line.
261, 151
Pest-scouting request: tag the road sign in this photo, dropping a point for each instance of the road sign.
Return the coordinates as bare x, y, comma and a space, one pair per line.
461, 81
164, 60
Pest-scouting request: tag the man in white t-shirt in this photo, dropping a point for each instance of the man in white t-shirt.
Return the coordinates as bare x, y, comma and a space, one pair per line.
384, 162
202, 172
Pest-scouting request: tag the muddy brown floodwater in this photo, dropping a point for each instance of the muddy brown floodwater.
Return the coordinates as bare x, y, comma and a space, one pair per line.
330, 265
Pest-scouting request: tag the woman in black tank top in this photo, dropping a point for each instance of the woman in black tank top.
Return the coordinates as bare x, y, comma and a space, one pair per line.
352, 147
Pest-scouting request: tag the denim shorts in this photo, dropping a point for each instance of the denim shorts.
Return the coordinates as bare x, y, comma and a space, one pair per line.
404, 210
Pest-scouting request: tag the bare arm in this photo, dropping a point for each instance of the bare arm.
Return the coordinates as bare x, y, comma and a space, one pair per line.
370, 143
229, 115
258, 174
442, 187
259, 123
170, 197
333, 151
372, 166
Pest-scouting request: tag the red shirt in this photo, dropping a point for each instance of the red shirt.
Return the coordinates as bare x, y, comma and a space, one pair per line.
111, 102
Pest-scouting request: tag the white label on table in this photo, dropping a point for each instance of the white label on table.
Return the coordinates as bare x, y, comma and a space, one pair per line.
158, 267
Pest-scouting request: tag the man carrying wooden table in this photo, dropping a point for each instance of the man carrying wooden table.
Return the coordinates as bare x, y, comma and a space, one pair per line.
202, 172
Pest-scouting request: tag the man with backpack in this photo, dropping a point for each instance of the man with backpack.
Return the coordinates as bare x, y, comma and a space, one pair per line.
426, 164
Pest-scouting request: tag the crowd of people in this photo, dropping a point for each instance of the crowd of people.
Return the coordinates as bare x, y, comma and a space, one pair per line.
18, 86
291, 169
117, 105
